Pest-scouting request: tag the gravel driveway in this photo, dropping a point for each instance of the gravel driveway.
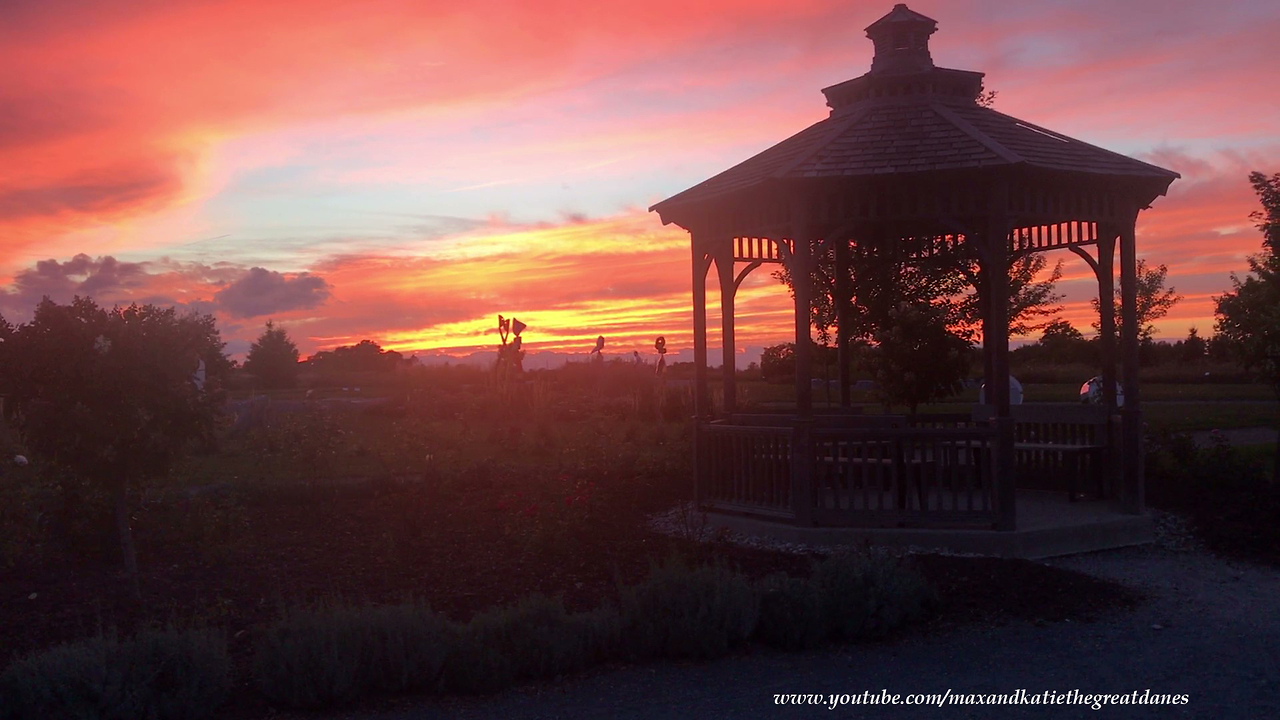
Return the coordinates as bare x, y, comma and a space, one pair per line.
1211, 631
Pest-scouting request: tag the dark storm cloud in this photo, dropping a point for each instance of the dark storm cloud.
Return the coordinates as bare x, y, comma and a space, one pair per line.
262, 292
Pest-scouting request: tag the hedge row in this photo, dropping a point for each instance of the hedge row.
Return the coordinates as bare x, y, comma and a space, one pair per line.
336, 654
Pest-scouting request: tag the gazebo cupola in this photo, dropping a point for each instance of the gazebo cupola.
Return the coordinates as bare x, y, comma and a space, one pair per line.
902, 67
910, 165
902, 41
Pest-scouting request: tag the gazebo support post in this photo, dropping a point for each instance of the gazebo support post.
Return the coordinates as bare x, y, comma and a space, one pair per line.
1105, 271
802, 456
844, 299
701, 406
995, 334
700, 456
700, 410
982, 287
1107, 313
1131, 493
729, 367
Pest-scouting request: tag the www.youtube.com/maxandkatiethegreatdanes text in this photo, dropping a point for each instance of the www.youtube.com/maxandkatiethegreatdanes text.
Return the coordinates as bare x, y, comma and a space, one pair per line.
1094, 701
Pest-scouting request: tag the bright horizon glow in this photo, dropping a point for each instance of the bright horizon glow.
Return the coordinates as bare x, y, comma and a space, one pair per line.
404, 171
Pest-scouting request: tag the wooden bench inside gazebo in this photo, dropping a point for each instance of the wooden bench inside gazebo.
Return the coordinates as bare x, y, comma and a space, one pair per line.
909, 164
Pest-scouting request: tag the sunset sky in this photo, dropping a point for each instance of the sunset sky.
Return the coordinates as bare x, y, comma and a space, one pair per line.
405, 170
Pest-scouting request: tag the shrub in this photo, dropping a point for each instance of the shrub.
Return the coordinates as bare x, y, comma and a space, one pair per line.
156, 674
532, 640
791, 614
334, 654
869, 595
23, 514
684, 612
1225, 490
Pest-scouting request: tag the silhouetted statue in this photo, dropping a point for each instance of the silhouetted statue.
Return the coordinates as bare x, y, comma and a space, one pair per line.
510, 356
596, 356
661, 346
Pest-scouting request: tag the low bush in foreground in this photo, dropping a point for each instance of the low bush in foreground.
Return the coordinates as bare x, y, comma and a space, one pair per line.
536, 639
334, 654
688, 612
791, 613
156, 674
867, 596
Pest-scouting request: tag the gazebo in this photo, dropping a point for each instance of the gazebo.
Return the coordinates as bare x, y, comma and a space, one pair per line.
909, 162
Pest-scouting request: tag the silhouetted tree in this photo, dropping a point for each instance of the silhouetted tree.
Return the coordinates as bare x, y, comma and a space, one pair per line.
110, 396
1194, 348
1060, 332
1154, 300
365, 356
1218, 349
1248, 317
1033, 297
917, 359
1268, 218
778, 362
273, 358
879, 283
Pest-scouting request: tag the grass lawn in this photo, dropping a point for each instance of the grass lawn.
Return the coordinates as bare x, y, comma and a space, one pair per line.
1173, 407
1264, 453
1185, 417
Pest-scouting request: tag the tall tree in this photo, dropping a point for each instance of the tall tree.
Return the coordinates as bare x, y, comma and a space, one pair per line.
1034, 302
112, 396
917, 359
877, 283
880, 282
1194, 348
1154, 301
1268, 218
273, 358
1248, 317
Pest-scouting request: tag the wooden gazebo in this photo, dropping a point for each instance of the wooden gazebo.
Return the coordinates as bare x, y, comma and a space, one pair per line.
910, 163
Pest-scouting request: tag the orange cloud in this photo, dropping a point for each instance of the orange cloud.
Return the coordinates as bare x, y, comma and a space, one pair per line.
134, 127
624, 277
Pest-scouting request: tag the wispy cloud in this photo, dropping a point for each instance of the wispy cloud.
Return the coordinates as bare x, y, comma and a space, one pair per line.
426, 160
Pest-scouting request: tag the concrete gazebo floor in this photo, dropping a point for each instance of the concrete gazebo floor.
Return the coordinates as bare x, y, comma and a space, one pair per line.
1049, 525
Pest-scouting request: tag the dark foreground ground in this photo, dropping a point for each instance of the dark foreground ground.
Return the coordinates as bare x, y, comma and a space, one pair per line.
1209, 629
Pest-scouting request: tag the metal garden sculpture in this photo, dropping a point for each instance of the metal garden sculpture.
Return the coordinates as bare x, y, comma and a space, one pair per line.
510, 355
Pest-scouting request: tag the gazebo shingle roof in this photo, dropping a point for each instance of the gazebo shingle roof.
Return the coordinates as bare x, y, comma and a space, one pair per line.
907, 137
908, 116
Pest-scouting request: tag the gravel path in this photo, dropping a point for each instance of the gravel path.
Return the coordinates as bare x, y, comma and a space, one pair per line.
1211, 630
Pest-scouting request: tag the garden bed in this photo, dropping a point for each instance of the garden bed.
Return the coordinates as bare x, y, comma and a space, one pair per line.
385, 542
461, 507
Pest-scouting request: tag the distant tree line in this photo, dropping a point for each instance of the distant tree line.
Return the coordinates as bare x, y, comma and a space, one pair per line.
273, 360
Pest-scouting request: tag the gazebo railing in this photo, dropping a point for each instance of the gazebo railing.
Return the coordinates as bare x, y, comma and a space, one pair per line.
876, 476
913, 477
746, 469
